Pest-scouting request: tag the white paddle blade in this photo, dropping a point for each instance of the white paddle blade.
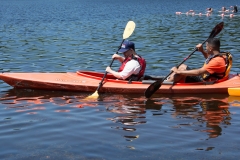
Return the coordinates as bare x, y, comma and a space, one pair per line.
129, 29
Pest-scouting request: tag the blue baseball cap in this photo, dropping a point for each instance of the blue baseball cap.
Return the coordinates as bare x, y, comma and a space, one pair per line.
126, 45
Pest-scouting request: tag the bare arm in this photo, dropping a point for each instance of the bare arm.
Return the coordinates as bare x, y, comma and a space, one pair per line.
120, 58
193, 72
116, 74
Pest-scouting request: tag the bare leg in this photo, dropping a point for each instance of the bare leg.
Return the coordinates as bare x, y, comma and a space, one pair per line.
177, 77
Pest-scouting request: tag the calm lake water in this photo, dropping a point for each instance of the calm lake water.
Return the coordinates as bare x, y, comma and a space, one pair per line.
71, 35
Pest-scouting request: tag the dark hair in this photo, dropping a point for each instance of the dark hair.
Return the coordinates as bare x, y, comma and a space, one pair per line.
235, 9
214, 42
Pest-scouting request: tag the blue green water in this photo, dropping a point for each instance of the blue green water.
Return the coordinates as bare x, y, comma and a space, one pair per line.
71, 35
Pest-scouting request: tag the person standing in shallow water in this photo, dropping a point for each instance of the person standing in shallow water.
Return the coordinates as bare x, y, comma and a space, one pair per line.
209, 10
223, 9
214, 67
133, 65
235, 9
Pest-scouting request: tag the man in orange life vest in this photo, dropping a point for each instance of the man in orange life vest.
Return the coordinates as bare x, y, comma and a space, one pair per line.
133, 65
214, 67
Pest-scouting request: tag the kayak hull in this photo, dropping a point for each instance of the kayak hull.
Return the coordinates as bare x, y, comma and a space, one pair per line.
88, 81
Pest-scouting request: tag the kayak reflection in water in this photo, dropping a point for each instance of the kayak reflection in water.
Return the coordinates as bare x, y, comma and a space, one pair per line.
133, 65
213, 69
211, 115
216, 115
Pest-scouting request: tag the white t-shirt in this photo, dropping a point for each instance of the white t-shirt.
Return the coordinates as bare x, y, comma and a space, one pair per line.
131, 67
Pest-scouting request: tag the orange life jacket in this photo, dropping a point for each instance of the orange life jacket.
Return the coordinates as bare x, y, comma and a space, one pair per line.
228, 60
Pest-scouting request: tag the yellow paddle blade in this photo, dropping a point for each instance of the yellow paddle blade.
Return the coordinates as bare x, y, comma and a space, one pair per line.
234, 91
129, 29
93, 96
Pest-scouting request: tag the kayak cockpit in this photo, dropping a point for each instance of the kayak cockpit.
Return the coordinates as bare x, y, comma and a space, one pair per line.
145, 80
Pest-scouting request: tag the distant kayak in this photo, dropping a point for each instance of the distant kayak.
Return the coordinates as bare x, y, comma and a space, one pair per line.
88, 81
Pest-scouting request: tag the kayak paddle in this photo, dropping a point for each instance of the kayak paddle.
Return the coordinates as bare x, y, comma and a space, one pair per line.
157, 84
127, 33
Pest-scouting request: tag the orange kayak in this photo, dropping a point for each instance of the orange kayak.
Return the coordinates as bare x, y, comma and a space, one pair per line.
88, 81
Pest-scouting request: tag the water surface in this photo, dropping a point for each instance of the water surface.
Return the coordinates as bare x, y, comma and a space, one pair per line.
66, 36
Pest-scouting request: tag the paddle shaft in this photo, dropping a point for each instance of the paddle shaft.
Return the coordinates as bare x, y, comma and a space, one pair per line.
101, 83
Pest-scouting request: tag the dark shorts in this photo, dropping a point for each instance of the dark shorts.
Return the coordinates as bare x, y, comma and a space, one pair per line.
192, 79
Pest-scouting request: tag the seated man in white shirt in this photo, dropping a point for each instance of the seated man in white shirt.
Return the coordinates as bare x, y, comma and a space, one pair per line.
133, 65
